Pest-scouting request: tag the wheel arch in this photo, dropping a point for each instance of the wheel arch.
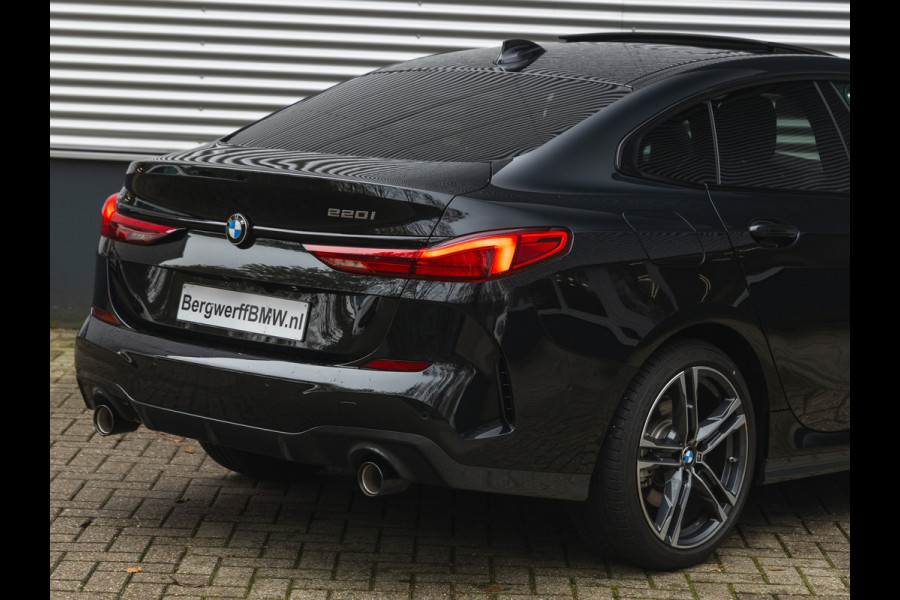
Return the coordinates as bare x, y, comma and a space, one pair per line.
666, 434
752, 361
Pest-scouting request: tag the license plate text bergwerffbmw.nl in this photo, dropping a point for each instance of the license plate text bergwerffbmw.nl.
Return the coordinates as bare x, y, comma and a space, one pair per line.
252, 313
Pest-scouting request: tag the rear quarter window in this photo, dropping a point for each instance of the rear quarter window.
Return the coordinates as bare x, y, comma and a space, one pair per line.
680, 149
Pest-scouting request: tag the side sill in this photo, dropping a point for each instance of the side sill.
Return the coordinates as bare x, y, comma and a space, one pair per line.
795, 467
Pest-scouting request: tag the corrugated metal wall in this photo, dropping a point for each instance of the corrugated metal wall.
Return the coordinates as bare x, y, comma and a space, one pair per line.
137, 77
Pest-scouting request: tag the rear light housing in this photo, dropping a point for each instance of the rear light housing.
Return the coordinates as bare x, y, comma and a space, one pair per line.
478, 257
120, 228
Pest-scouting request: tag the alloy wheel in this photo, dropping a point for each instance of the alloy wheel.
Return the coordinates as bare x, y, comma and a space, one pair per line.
693, 457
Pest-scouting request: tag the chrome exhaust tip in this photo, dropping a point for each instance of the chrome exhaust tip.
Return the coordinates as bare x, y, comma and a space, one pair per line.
104, 420
377, 480
108, 422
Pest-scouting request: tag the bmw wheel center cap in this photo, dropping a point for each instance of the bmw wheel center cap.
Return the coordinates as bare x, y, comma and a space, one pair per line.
237, 229
687, 456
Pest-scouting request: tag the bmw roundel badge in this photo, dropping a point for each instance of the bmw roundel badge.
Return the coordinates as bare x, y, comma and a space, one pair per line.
237, 229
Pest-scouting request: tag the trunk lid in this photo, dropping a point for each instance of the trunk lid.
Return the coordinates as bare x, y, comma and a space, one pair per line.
285, 192
290, 199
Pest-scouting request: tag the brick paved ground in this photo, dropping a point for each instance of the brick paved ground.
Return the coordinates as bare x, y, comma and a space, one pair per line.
147, 515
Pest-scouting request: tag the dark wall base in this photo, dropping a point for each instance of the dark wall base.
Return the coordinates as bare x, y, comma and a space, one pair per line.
77, 191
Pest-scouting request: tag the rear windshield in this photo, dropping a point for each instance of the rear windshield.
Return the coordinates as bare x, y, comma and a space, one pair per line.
435, 115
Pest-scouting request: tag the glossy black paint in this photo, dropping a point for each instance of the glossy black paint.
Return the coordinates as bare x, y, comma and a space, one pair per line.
407, 197
526, 370
802, 292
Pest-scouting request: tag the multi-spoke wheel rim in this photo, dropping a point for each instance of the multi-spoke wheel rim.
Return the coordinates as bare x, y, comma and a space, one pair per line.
692, 462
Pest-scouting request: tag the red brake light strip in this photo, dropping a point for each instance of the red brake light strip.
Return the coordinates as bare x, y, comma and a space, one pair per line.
477, 257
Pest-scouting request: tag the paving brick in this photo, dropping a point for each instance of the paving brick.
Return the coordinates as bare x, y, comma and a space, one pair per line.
515, 575
318, 559
655, 594
429, 591
264, 587
72, 569
64, 585
193, 564
777, 590
670, 581
827, 586
368, 595
298, 594
561, 586
141, 591
205, 592
596, 593
110, 582
712, 591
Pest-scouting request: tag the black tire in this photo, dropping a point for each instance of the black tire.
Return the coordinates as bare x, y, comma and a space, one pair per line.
676, 464
259, 466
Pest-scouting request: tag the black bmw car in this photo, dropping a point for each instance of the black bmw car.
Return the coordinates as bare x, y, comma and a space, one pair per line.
612, 270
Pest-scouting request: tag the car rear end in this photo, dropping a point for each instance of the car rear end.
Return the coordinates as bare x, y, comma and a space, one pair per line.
322, 290
299, 341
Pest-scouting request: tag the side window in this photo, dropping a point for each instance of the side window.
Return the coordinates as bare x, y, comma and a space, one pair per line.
679, 149
837, 95
780, 136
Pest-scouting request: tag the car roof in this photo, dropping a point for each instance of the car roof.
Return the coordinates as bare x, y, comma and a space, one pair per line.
619, 58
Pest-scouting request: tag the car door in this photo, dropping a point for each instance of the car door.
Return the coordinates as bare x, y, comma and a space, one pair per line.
784, 197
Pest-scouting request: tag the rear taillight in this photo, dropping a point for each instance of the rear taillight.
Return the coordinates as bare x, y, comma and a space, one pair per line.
478, 257
117, 226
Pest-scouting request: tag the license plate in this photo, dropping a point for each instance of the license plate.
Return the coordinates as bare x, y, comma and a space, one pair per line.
240, 311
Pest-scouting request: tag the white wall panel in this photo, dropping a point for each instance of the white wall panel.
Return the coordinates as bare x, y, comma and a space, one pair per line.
137, 77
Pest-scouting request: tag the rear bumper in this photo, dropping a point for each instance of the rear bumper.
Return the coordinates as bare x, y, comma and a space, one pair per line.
317, 414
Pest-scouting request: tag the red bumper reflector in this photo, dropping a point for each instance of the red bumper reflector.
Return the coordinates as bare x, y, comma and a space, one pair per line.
396, 365
101, 314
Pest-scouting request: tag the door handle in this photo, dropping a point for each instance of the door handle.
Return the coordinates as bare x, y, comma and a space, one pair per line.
773, 234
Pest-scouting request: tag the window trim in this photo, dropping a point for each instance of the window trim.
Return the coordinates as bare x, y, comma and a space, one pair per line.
839, 98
